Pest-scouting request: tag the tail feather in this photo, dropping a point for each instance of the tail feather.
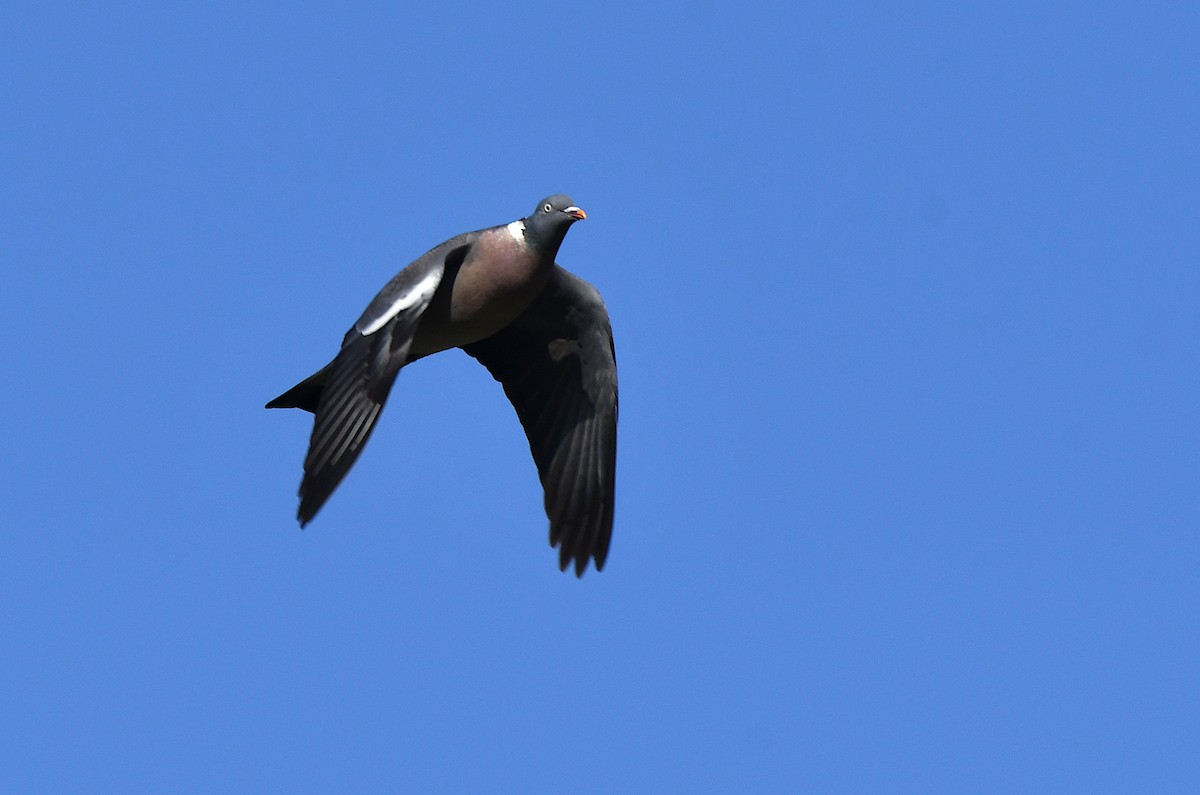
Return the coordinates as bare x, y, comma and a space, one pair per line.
304, 395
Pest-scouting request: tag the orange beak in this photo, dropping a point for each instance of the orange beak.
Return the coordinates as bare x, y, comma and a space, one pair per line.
575, 213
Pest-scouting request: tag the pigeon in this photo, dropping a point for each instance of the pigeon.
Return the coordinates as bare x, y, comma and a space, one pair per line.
541, 331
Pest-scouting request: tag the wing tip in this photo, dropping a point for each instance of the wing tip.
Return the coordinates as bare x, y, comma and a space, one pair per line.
580, 557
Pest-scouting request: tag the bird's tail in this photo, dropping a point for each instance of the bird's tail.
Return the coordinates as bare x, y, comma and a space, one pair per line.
304, 395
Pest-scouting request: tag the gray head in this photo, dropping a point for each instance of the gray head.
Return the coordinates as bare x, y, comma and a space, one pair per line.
547, 225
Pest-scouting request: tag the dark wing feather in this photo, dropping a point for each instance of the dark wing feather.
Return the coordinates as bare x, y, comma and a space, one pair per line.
558, 367
357, 385
350, 392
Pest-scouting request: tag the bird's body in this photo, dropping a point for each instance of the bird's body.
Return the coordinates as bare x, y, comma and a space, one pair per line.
543, 333
492, 285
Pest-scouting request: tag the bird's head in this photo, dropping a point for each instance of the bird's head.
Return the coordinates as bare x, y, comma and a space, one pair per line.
550, 220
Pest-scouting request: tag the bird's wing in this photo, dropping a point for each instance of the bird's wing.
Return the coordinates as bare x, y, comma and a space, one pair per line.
358, 380
558, 367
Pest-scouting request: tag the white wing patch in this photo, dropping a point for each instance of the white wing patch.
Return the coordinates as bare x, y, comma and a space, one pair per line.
420, 293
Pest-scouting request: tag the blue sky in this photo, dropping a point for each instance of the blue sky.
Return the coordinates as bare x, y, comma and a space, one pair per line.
905, 304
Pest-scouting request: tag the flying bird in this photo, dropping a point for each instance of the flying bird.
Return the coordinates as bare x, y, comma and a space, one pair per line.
542, 332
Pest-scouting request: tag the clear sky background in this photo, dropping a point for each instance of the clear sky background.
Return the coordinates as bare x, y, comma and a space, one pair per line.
906, 311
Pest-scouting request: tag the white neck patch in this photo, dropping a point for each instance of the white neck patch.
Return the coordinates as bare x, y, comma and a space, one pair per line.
517, 230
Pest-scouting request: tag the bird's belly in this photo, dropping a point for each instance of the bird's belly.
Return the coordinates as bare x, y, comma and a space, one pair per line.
472, 305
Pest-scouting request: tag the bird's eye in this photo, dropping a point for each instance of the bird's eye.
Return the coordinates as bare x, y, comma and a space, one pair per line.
546, 208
